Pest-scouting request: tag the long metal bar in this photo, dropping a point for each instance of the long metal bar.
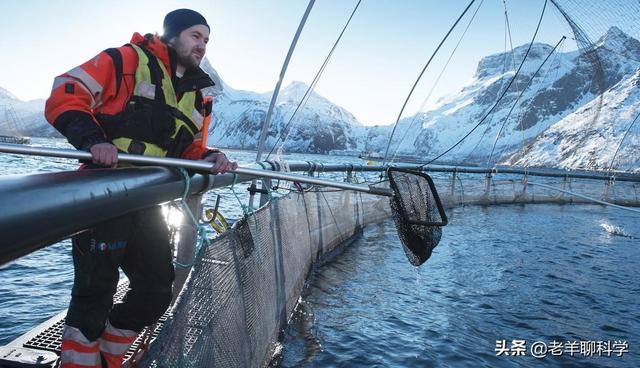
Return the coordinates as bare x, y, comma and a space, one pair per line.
594, 200
200, 166
554, 173
68, 202
307, 167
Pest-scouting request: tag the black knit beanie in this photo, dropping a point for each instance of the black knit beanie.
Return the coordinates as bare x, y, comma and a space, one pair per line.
178, 20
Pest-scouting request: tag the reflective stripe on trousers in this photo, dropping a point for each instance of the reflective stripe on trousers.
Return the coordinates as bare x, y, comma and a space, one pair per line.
114, 344
78, 351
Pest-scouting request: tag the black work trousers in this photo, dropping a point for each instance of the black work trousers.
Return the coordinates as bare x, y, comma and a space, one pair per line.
139, 244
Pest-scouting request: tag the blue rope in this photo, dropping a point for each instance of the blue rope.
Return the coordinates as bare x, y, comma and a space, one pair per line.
269, 191
201, 229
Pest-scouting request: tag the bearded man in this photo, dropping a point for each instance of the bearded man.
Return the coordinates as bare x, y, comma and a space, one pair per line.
142, 98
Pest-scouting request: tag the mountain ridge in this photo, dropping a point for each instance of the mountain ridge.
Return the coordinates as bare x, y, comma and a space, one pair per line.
516, 132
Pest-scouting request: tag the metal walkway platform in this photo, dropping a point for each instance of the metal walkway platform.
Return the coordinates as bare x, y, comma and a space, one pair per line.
46, 338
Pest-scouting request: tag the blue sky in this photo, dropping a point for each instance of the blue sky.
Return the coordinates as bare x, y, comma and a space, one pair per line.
370, 74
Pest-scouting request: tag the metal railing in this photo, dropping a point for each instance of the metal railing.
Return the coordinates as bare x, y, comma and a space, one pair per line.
41, 209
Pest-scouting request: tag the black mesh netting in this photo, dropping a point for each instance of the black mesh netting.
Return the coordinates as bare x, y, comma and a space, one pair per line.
417, 213
244, 286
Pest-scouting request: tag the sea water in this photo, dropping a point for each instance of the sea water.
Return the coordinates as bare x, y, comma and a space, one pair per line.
508, 286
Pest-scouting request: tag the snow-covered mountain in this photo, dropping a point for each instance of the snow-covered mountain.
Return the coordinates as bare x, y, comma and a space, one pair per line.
23, 118
558, 118
580, 141
603, 132
319, 127
562, 99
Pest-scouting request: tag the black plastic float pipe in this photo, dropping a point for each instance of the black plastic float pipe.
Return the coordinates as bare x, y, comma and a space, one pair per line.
41, 209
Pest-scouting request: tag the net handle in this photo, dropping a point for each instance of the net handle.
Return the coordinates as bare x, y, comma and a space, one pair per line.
199, 166
443, 216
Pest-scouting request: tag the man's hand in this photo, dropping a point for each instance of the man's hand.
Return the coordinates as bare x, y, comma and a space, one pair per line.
105, 154
221, 163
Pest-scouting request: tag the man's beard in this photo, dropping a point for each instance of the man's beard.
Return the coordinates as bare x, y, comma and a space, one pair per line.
188, 61
185, 56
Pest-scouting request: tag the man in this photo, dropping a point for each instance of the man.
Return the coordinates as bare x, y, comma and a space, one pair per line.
141, 98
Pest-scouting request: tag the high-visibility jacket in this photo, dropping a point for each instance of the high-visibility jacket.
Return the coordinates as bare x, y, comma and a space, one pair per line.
131, 97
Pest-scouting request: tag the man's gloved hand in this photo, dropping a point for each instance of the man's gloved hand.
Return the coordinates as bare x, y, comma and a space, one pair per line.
221, 162
105, 154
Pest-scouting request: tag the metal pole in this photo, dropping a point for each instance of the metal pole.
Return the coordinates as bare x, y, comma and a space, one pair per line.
310, 166
585, 197
200, 166
274, 97
41, 209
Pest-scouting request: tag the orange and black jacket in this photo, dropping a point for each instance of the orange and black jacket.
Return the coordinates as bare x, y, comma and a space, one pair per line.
103, 100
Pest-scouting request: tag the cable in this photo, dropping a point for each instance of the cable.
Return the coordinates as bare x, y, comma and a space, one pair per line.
520, 95
585, 197
420, 76
313, 83
503, 93
541, 128
504, 70
517, 87
424, 103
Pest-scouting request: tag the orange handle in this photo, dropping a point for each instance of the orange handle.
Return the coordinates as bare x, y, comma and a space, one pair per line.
208, 104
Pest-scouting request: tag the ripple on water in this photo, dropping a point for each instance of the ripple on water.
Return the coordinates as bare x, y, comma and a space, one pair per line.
474, 291
541, 269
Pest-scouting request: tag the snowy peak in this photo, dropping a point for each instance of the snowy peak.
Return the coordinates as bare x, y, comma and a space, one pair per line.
7, 96
319, 126
219, 86
294, 91
565, 91
296, 86
614, 35
499, 63
579, 141
615, 40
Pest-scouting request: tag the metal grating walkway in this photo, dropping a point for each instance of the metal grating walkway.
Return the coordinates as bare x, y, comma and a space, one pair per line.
51, 338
